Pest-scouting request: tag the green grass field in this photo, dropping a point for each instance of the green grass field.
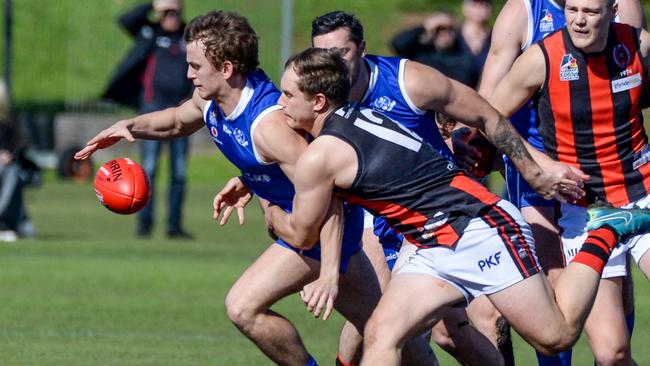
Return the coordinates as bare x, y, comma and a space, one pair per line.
88, 293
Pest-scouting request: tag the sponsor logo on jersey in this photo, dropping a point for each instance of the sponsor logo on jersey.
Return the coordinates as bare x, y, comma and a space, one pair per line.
621, 55
240, 137
226, 129
490, 262
215, 135
429, 228
384, 103
626, 83
214, 132
641, 158
212, 117
546, 23
569, 68
257, 177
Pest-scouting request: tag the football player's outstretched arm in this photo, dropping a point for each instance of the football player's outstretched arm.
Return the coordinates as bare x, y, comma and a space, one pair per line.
171, 122
462, 103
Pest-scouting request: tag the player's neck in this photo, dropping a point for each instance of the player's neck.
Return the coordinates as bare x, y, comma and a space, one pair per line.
319, 122
230, 94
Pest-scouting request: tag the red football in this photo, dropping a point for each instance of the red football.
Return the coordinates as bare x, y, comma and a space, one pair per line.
122, 186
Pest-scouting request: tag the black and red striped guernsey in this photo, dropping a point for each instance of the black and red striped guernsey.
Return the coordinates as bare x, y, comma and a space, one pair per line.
590, 115
400, 177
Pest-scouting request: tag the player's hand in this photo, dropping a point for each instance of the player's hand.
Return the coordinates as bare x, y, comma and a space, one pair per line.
104, 139
560, 181
466, 155
319, 296
234, 195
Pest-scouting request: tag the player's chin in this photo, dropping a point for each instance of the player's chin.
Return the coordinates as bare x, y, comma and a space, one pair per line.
290, 121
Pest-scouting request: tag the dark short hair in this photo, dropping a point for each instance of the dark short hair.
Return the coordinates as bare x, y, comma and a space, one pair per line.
335, 20
227, 37
322, 71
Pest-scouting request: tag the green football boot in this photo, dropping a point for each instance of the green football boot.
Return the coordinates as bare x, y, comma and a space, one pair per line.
626, 222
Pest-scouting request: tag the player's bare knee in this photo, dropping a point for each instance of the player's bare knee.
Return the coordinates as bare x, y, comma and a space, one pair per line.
240, 312
552, 342
612, 359
618, 354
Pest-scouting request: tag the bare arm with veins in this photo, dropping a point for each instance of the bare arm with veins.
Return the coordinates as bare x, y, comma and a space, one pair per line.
436, 92
172, 122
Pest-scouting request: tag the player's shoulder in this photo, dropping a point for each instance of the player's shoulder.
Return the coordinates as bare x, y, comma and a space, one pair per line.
273, 123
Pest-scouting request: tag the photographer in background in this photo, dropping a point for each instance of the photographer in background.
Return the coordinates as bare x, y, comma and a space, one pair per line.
152, 77
437, 43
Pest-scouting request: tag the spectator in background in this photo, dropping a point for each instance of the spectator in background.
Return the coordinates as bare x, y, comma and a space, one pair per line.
16, 172
437, 43
475, 30
153, 77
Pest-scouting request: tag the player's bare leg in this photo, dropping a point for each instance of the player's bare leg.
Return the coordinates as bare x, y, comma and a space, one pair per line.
605, 327
416, 351
277, 273
358, 288
399, 316
466, 344
350, 341
489, 322
644, 265
482, 312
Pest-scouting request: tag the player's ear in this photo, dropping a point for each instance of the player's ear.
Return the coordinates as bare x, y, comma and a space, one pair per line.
320, 102
227, 69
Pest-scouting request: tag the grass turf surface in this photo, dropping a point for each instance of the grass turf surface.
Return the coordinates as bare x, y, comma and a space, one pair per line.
88, 292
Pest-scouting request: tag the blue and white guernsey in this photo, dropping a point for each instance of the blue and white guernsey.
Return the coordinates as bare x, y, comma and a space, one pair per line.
233, 135
386, 94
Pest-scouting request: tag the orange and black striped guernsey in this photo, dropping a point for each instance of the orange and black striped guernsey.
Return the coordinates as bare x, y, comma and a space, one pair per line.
590, 114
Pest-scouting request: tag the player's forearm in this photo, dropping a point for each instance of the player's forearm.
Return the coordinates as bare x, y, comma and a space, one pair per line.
331, 238
504, 136
157, 125
284, 227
